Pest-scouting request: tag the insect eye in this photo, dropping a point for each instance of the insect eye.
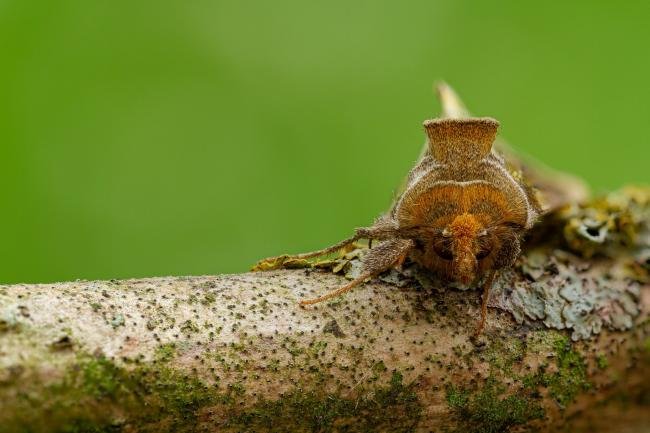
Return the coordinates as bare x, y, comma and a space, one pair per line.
443, 251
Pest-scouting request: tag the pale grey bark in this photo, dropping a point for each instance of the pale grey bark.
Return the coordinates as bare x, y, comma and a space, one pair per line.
236, 353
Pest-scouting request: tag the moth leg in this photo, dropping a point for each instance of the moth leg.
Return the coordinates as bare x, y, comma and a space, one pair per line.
379, 259
400, 260
486, 294
341, 290
383, 228
277, 261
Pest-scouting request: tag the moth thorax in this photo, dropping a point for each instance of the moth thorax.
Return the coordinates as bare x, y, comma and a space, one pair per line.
461, 141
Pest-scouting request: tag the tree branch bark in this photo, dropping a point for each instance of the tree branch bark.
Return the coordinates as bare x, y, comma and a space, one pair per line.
235, 353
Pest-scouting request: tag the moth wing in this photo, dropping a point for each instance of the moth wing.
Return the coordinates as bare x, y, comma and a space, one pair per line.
554, 188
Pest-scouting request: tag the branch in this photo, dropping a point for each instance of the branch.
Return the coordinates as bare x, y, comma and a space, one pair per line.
234, 353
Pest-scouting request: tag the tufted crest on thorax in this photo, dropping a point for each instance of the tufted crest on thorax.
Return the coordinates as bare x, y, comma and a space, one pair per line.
461, 174
457, 141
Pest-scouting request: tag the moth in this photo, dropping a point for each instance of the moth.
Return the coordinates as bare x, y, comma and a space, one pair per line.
463, 210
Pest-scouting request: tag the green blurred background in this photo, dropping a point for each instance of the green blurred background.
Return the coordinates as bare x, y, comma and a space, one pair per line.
194, 137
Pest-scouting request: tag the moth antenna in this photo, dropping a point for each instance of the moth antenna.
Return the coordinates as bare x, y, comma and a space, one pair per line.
487, 285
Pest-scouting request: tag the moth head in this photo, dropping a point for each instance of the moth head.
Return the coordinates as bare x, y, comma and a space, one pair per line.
468, 246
